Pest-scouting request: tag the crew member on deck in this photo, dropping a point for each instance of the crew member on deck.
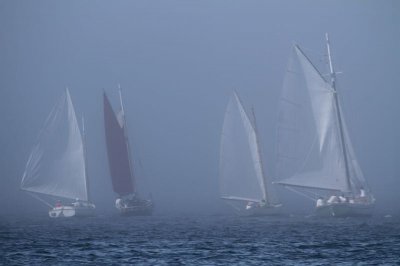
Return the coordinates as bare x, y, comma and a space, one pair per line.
333, 199
342, 198
118, 203
249, 205
77, 203
362, 193
320, 202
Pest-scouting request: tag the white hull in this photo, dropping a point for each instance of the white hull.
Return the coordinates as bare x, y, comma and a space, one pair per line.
262, 211
345, 210
72, 211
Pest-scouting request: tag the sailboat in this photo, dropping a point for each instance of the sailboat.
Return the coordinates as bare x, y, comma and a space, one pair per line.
128, 201
56, 168
315, 154
243, 183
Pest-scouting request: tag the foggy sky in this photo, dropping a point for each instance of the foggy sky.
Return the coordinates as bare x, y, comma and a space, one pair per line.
178, 62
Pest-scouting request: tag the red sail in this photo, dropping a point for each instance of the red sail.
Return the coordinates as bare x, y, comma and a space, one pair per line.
117, 151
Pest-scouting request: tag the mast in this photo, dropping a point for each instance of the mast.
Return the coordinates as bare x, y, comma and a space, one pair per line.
260, 156
85, 159
126, 137
339, 115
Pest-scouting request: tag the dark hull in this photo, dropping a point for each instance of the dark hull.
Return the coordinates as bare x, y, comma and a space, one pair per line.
137, 210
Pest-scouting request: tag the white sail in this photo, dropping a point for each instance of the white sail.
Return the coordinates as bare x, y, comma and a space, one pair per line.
241, 173
357, 178
318, 161
56, 165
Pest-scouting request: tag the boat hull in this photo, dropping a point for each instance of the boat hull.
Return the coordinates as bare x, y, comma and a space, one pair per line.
345, 210
72, 211
141, 209
262, 211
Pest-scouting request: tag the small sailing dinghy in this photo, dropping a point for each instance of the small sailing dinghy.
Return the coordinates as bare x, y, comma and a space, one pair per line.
316, 156
120, 164
243, 183
56, 167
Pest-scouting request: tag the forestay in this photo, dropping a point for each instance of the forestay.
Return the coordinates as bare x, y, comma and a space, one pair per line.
56, 166
357, 178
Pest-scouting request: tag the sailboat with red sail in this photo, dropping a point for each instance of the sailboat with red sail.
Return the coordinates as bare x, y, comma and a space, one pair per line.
128, 201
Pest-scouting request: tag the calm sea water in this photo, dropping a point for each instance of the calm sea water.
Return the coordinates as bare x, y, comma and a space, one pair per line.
199, 240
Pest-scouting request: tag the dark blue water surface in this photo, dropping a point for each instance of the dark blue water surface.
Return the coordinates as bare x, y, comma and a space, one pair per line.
199, 240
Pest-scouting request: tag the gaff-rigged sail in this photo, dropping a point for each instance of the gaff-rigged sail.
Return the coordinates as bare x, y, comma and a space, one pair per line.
310, 148
241, 174
117, 151
56, 166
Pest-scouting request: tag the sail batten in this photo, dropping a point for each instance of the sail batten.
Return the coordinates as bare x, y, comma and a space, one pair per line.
117, 150
56, 166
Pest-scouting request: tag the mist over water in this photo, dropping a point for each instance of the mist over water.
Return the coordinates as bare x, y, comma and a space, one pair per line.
178, 63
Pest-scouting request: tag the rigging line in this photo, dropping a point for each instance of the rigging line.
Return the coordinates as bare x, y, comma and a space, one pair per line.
310, 62
40, 199
284, 99
354, 176
265, 179
300, 193
308, 154
51, 117
85, 159
315, 194
338, 113
233, 206
314, 53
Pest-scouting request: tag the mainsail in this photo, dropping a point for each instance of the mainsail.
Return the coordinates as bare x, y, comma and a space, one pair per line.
241, 172
56, 166
117, 151
314, 148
